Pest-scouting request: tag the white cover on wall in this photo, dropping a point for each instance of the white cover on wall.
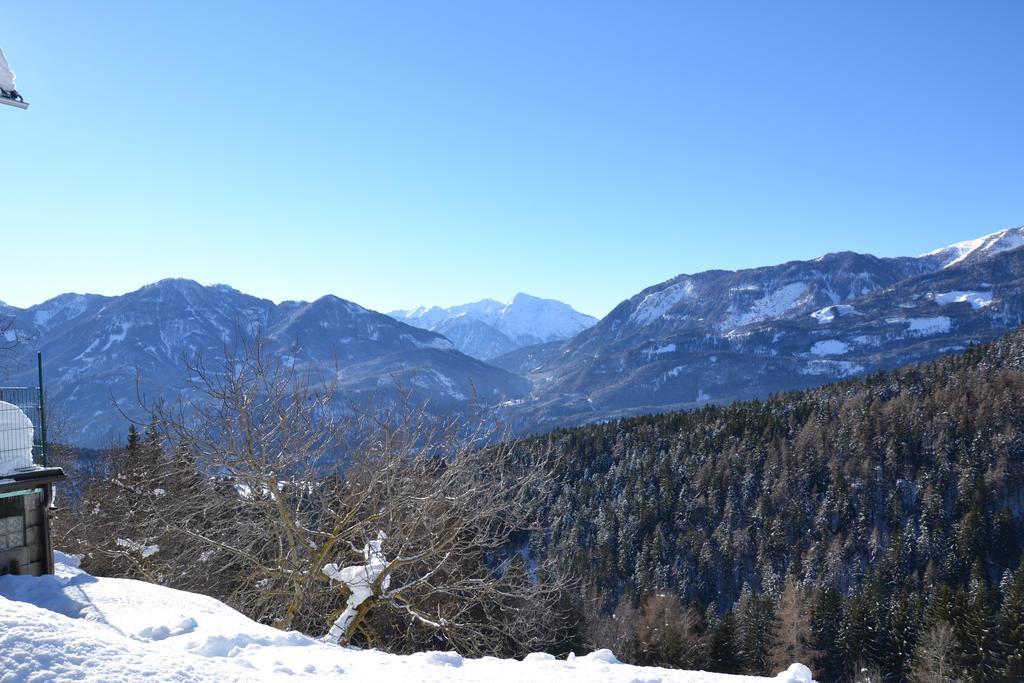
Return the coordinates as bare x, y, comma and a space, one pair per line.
15, 439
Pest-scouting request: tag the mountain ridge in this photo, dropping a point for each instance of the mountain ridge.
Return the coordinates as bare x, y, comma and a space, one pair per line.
725, 335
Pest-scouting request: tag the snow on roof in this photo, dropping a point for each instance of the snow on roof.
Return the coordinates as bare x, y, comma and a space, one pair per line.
73, 626
7, 77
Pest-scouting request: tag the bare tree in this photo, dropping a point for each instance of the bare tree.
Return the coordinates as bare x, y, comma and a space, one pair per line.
933, 656
286, 481
10, 338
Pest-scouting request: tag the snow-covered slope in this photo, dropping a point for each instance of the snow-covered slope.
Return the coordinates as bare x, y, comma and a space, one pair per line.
76, 627
978, 249
726, 335
487, 328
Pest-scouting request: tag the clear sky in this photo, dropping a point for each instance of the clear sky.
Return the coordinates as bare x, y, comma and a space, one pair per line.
440, 152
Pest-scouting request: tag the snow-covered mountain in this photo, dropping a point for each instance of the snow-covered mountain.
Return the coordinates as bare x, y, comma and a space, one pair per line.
77, 627
715, 336
722, 335
487, 328
96, 347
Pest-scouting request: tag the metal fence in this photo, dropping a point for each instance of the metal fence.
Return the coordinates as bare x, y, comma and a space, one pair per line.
22, 428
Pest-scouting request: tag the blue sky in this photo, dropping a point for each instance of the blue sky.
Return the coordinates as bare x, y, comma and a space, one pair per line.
404, 153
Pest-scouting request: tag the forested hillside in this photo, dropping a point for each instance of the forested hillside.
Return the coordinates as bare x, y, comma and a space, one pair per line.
876, 523
871, 529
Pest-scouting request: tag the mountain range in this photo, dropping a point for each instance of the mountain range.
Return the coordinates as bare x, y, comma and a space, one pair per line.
101, 352
714, 336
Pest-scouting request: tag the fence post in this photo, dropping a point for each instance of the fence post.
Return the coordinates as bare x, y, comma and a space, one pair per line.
42, 408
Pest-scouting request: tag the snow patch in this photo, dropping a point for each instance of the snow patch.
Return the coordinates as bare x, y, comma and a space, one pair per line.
119, 335
829, 347
796, 673
770, 306
657, 304
539, 657
867, 340
140, 548
926, 326
664, 348
436, 343
975, 299
922, 327
826, 315
162, 632
605, 656
453, 659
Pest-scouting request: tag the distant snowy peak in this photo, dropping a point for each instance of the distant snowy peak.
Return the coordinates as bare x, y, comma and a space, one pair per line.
978, 249
421, 316
488, 328
532, 320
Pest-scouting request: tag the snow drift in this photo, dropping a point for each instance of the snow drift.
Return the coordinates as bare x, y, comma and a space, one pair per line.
76, 627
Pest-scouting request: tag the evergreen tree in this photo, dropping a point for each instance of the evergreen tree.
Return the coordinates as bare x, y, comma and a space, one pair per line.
755, 618
723, 649
826, 626
900, 635
863, 625
133, 439
977, 642
1011, 628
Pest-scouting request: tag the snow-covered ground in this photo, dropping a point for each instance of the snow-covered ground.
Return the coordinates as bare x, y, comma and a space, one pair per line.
76, 627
